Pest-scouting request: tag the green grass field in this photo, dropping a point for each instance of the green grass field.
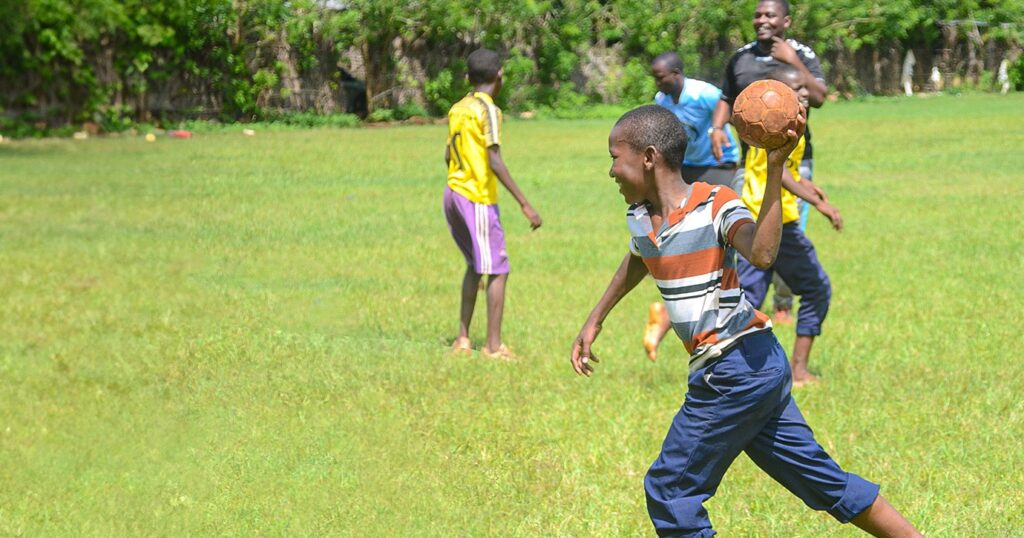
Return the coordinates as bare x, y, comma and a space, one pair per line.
248, 336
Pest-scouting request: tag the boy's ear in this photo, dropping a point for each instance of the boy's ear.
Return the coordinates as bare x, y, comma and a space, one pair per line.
651, 156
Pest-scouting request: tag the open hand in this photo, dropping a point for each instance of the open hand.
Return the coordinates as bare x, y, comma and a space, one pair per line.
719, 139
582, 357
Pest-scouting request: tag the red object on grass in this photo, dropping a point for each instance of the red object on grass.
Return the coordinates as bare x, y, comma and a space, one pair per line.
180, 134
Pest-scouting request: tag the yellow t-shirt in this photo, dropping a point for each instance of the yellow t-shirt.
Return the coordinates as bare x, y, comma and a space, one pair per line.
474, 124
755, 176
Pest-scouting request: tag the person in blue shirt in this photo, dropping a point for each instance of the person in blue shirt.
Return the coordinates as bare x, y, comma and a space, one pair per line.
693, 102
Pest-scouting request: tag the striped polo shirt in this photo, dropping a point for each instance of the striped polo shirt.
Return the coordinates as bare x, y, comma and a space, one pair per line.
693, 263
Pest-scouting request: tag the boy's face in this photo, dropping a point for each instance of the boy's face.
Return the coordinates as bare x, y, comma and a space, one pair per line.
797, 83
628, 167
770, 20
668, 81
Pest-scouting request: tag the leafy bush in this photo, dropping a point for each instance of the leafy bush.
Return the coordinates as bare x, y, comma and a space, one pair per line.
445, 89
381, 115
520, 90
408, 110
1016, 73
637, 85
114, 119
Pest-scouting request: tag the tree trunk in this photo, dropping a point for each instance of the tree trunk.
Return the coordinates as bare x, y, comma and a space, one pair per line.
876, 64
377, 62
949, 35
974, 45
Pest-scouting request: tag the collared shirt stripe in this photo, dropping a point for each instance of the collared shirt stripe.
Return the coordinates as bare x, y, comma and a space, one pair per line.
693, 264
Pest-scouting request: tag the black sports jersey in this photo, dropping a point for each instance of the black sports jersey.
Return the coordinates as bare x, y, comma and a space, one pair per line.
749, 63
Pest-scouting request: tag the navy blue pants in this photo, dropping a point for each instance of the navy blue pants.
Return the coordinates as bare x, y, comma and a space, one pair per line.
798, 265
741, 403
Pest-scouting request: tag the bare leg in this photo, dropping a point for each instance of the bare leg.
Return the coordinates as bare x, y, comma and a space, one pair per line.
658, 325
495, 309
470, 285
882, 520
798, 363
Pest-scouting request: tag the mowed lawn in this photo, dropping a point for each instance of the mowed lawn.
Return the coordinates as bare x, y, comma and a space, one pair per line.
247, 336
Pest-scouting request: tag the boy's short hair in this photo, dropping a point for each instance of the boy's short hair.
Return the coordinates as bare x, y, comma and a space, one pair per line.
784, 4
671, 60
653, 125
484, 65
782, 71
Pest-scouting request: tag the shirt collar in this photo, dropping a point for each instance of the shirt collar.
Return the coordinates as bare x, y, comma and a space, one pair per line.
483, 95
698, 193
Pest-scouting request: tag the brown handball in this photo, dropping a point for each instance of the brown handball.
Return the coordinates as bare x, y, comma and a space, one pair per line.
764, 111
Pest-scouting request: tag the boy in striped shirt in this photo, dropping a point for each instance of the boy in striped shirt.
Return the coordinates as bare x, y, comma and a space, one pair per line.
475, 166
738, 397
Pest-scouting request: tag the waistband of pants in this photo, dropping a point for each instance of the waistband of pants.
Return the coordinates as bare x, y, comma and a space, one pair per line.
715, 354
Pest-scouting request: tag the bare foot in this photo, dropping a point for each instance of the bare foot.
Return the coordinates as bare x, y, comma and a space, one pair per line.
502, 353
782, 317
652, 332
462, 346
802, 377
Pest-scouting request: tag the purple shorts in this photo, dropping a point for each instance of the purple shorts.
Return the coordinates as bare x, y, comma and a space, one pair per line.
477, 231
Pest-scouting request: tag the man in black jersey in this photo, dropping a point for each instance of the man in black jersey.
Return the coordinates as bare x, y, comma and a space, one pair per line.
756, 61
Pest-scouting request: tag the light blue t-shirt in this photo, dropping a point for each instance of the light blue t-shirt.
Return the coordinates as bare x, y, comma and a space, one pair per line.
696, 105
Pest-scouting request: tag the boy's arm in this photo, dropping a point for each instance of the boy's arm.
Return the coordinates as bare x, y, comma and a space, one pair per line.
806, 190
498, 165
630, 272
759, 243
447, 154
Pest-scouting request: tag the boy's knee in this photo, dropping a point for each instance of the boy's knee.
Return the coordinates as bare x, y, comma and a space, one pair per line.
820, 293
823, 293
675, 510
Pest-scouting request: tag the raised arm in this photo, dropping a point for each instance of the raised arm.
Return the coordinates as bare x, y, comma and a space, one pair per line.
498, 165
630, 272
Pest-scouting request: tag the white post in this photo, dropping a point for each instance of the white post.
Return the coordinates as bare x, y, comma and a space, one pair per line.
936, 78
908, 73
1004, 76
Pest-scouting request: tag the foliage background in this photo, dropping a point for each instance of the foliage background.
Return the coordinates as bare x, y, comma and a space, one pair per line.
114, 62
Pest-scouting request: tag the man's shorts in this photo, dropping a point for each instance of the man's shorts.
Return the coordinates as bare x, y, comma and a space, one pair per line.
477, 231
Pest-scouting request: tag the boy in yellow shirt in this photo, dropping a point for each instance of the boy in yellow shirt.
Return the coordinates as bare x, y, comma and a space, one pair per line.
475, 167
797, 263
